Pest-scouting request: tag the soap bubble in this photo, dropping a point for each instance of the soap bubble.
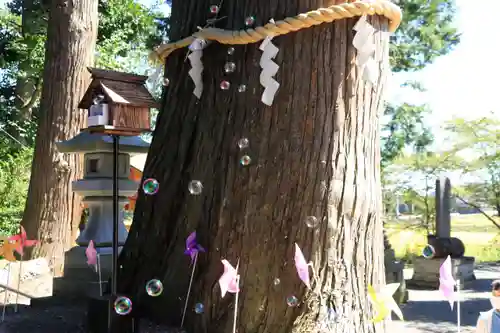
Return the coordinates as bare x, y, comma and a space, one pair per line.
199, 308
245, 160
312, 221
214, 9
195, 187
243, 143
276, 281
229, 67
154, 287
249, 21
242, 88
428, 252
123, 305
230, 50
224, 85
150, 186
292, 301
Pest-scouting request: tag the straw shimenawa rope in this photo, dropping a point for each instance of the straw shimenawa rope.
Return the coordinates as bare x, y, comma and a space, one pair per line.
289, 24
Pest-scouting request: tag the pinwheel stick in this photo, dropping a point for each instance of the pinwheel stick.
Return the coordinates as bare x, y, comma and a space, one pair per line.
189, 288
6, 294
99, 273
19, 281
458, 306
236, 299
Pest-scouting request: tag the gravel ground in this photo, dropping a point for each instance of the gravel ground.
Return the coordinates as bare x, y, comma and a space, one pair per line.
426, 312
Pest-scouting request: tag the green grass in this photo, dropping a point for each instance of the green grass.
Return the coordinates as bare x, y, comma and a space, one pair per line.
480, 237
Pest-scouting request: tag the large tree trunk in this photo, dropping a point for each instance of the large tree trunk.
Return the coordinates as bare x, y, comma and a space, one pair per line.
315, 152
52, 212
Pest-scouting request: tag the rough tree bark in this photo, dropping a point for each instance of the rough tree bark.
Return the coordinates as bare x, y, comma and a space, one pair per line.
315, 152
52, 212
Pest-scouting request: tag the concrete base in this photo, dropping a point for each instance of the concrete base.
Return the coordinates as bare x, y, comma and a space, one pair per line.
81, 279
426, 271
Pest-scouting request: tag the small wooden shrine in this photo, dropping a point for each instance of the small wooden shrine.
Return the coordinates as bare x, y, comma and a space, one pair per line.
118, 103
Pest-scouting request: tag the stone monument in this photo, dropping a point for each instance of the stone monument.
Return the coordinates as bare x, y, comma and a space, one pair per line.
440, 246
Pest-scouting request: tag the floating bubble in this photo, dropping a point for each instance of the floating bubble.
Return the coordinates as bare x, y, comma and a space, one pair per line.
199, 308
195, 187
150, 186
230, 51
243, 143
428, 252
123, 305
224, 85
229, 67
154, 287
249, 21
166, 82
277, 281
214, 9
292, 301
245, 160
312, 221
242, 88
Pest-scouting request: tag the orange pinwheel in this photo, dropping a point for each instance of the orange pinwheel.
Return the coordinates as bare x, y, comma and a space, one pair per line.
7, 248
22, 241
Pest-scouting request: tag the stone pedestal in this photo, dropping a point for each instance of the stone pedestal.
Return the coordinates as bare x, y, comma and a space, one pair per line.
81, 279
426, 271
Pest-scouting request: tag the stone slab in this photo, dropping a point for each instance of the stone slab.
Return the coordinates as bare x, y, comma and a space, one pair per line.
35, 280
79, 278
426, 271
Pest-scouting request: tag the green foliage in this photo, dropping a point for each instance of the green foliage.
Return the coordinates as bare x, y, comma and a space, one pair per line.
427, 32
15, 168
479, 141
127, 30
405, 127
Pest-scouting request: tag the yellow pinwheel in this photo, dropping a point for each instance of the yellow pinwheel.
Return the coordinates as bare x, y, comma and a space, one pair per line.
383, 302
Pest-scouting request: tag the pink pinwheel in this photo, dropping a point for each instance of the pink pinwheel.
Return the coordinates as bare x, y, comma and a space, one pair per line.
229, 280
23, 241
192, 247
302, 266
447, 282
91, 254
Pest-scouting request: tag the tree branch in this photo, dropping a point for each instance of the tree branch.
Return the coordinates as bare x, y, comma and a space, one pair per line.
479, 209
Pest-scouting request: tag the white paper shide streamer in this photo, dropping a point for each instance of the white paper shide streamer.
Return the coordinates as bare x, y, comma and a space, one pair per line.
269, 69
196, 70
365, 45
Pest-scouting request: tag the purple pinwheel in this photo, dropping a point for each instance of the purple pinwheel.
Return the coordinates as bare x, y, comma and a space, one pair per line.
192, 247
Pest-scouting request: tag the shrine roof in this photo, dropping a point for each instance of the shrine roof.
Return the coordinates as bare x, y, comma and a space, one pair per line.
119, 88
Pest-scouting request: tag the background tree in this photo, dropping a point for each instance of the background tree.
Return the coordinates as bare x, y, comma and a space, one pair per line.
51, 207
478, 140
127, 31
